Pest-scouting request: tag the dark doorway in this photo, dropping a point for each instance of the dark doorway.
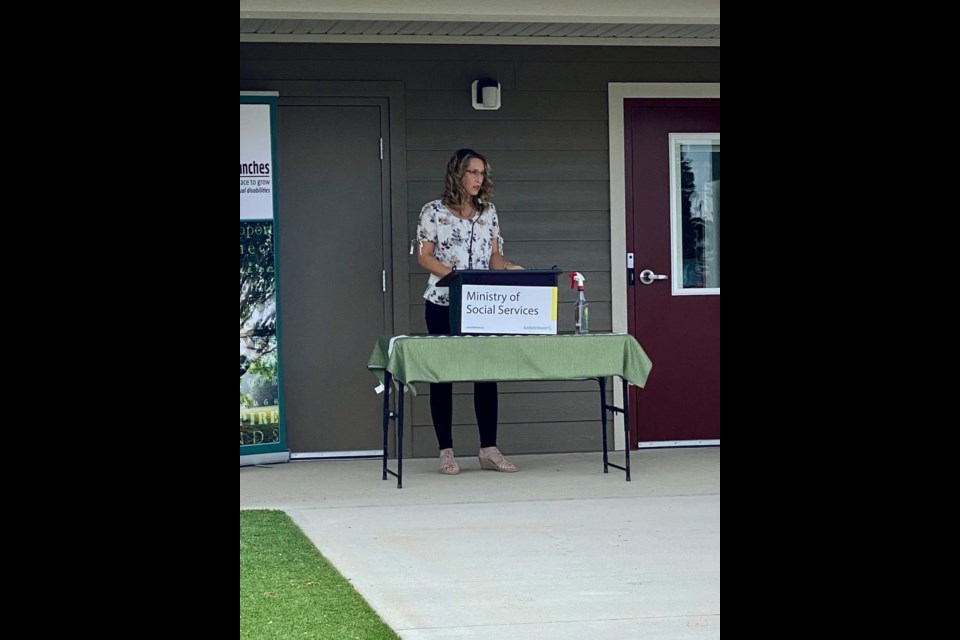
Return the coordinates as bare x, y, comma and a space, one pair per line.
679, 330
334, 230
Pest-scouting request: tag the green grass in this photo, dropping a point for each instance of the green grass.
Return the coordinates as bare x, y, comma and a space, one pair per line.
288, 591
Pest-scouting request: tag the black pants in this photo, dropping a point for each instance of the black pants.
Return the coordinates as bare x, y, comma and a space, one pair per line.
485, 401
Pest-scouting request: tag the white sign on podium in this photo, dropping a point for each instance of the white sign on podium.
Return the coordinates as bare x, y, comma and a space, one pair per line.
510, 310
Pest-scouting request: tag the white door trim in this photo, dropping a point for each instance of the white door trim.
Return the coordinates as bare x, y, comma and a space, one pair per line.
618, 92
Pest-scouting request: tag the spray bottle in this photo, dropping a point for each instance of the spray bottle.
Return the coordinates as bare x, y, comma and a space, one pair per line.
582, 317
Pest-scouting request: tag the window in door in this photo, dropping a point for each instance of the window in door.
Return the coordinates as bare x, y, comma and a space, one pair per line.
695, 213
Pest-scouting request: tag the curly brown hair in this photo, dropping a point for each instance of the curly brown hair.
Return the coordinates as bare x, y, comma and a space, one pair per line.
453, 192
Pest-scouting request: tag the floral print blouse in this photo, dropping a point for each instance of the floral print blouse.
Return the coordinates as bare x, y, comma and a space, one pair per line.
460, 244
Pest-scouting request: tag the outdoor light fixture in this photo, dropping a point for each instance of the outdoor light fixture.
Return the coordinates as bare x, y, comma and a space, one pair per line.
486, 94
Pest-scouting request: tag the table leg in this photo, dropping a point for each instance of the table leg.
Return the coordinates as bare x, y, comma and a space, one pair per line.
626, 422
626, 425
603, 422
400, 397
387, 416
387, 384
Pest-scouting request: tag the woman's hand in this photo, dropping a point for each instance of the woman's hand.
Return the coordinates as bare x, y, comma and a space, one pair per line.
427, 260
498, 262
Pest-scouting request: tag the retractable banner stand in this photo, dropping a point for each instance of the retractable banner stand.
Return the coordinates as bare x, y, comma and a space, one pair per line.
262, 435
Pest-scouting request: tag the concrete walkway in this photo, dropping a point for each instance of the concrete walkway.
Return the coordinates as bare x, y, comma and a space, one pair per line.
558, 551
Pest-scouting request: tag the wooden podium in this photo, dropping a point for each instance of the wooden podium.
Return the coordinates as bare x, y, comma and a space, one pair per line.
493, 302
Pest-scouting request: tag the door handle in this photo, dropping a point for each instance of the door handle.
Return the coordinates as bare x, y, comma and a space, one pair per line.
649, 277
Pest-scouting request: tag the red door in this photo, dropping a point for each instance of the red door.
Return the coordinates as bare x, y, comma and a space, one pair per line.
673, 230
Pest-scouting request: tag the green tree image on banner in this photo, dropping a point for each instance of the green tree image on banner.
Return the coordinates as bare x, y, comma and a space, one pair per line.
259, 371
262, 433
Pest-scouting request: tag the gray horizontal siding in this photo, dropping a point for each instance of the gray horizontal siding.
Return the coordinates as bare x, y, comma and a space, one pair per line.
541, 76
562, 386
530, 437
489, 136
518, 165
572, 406
524, 105
571, 254
456, 76
528, 196
416, 75
541, 225
549, 149
567, 254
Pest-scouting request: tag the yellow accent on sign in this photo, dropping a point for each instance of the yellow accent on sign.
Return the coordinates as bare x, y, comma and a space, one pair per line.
556, 293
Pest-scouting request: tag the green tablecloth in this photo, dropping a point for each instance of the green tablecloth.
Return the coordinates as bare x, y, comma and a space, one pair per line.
429, 359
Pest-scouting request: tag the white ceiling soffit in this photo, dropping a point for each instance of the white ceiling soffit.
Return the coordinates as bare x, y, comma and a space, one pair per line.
553, 22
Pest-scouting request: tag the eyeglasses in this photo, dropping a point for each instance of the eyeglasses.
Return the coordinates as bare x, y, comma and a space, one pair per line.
477, 174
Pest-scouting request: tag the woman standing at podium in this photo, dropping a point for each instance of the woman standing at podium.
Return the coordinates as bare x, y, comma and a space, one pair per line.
461, 231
